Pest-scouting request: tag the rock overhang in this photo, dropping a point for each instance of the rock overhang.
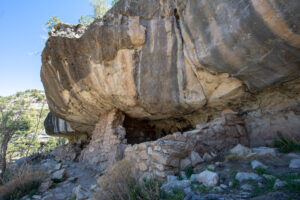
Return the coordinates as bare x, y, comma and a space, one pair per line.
153, 63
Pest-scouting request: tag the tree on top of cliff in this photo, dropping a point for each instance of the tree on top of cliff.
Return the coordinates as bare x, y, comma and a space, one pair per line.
52, 22
100, 8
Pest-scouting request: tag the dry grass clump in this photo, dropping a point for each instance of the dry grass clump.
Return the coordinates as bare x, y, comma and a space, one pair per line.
232, 157
121, 183
25, 182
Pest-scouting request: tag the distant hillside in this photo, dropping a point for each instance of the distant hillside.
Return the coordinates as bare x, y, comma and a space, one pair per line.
35, 109
35, 99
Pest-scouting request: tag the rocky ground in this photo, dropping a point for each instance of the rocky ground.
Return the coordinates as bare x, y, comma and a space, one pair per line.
258, 173
67, 180
244, 173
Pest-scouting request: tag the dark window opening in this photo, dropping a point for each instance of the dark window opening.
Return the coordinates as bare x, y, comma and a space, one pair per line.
139, 131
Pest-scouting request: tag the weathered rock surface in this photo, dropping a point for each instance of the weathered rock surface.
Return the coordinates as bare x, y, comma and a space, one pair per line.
208, 178
256, 164
176, 185
243, 176
55, 126
240, 151
295, 163
187, 60
80, 193
278, 184
68, 152
59, 175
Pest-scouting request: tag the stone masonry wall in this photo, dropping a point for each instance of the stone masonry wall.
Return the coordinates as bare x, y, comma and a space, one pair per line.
107, 143
172, 153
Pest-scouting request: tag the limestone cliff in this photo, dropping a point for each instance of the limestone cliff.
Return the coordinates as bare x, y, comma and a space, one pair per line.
177, 63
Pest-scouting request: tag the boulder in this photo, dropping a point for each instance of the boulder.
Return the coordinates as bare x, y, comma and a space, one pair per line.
269, 177
293, 155
48, 197
207, 178
240, 151
185, 163
195, 158
256, 164
295, 163
247, 187
223, 186
207, 157
264, 152
183, 175
45, 185
68, 152
279, 184
36, 197
59, 175
58, 166
244, 176
80, 193
171, 178
211, 167
175, 185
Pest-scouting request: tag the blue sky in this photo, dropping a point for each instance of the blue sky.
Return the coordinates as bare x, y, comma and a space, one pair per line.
22, 38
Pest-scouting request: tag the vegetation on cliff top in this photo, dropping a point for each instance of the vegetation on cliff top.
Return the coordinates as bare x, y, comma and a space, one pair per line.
100, 7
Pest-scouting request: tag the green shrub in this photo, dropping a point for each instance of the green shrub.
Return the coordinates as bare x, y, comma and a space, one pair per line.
235, 182
52, 22
261, 171
292, 183
286, 145
189, 171
85, 19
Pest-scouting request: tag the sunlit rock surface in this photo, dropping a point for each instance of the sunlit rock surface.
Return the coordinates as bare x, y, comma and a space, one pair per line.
179, 63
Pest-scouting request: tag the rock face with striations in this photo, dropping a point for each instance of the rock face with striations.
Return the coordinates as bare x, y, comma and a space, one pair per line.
178, 63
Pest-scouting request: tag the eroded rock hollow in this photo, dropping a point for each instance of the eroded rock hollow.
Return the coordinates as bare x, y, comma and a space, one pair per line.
170, 65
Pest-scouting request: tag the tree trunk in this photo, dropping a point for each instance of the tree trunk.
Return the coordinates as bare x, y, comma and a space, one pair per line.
3, 154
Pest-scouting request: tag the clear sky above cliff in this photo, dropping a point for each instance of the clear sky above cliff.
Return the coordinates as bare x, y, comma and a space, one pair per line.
23, 36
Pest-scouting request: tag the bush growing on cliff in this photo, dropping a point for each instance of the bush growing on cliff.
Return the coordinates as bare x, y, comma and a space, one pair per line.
85, 19
100, 8
52, 22
115, 1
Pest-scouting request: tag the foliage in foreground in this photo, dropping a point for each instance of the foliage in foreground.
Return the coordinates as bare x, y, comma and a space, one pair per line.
34, 112
25, 182
21, 128
121, 183
292, 185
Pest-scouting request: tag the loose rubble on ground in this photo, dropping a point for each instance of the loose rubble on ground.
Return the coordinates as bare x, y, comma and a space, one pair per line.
243, 173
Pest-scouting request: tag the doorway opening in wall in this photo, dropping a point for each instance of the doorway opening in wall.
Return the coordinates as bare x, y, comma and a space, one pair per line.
139, 131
